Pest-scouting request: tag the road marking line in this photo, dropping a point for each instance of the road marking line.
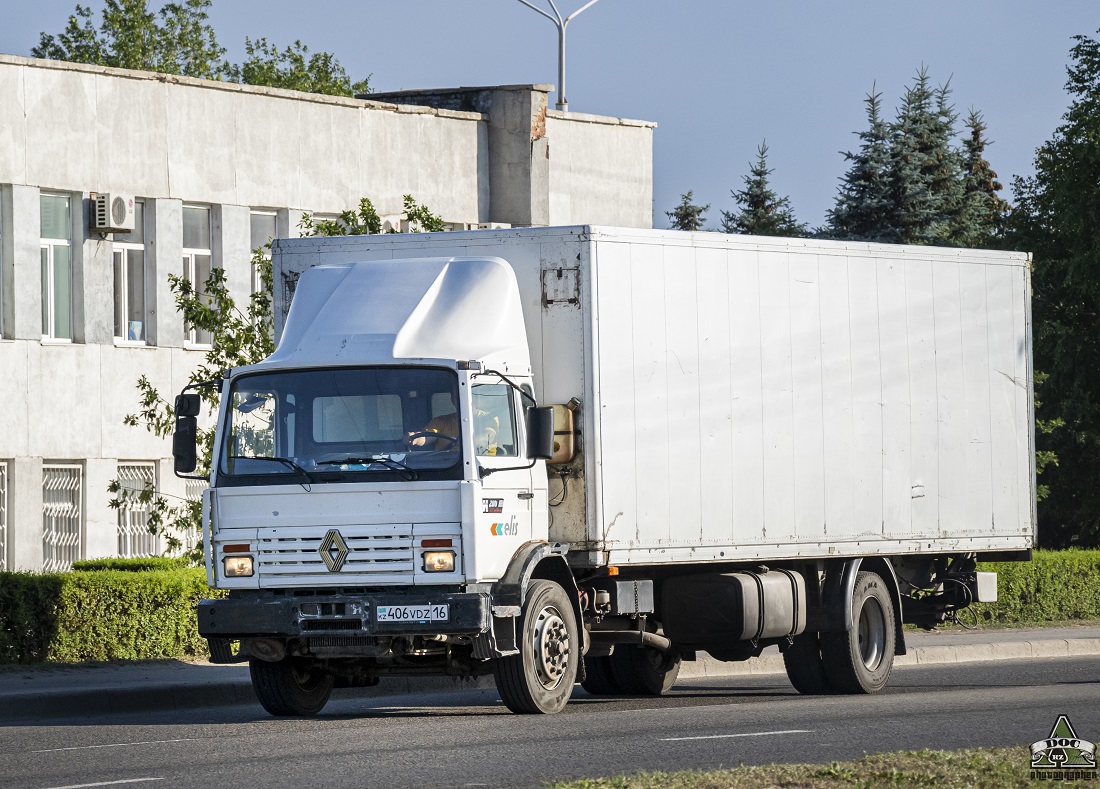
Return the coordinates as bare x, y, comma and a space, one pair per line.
729, 736
118, 745
108, 783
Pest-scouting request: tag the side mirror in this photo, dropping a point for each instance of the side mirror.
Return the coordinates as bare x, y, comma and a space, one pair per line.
540, 433
185, 438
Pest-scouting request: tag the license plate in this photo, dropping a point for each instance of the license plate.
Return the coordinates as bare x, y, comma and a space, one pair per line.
412, 613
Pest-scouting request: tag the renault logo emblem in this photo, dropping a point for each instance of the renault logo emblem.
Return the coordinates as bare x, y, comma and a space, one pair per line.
333, 550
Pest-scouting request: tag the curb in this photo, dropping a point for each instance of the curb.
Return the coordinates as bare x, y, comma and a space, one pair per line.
33, 705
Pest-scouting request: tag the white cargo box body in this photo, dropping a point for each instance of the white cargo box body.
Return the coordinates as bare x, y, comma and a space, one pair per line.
747, 398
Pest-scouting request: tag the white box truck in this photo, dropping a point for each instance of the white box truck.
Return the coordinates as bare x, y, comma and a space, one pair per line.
585, 454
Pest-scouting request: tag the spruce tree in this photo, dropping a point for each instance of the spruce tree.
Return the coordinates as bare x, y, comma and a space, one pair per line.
864, 210
687, 215
982, 210
913, 148
761, 211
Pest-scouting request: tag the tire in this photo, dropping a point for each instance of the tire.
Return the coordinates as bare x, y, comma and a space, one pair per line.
598, 677
290, 687
805, 667
644, 671
540, 679
860, 660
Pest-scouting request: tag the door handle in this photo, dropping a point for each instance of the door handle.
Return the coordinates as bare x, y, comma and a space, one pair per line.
526, 495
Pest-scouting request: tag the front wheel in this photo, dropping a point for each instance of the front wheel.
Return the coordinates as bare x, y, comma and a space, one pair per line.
540, 678
805, 667
291, 686
860, 660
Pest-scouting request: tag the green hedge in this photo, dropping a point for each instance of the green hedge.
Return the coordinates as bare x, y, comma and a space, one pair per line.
1055, 586
102, 615
141, 565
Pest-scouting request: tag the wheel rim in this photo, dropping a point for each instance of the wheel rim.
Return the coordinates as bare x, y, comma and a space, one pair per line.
552, 647
872, 634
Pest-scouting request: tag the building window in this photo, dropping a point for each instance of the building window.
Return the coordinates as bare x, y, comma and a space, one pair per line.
3, 315
62, 492
196, 261
265, 227
3, 516
134, 538
131, 321
57, 268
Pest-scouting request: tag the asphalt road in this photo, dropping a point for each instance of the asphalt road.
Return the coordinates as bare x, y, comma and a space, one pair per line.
468, 739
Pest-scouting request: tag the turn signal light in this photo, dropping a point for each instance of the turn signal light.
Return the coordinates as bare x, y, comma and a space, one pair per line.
439, 562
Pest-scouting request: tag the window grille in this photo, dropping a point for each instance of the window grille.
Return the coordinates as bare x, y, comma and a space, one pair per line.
194, 490
3, 516
134, 538
61, 497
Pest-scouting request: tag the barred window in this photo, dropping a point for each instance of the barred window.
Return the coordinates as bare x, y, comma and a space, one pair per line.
134, 538
3, 516
62, 489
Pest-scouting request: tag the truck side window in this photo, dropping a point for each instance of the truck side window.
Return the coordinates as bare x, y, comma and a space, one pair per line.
494, 420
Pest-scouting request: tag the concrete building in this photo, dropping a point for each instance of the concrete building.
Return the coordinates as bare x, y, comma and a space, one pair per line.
214, 170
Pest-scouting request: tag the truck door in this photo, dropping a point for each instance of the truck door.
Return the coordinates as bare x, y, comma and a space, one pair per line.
503, 519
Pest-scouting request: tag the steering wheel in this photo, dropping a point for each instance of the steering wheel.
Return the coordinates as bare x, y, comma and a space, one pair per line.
452, 441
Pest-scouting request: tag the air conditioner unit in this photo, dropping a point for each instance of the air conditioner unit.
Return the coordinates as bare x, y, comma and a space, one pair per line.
491, 226
113, 213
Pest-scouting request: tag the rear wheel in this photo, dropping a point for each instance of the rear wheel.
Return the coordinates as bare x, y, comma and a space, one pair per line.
644, 671
860, 660
805, 667
598, 677
291, 686
540, 678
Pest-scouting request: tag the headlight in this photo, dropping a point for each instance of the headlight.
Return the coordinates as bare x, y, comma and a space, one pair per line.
439, 562
237, 566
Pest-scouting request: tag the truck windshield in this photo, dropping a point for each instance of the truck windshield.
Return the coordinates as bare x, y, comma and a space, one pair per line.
304, 426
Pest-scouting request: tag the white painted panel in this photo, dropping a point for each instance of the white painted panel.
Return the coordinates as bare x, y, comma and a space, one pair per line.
975, 350
1002, 397
809, 431
1025, 456
951, 398
923, 436
618, 408
867, 406
652, 458
896, 409
778, 395
685, 379
747, 396
716, 401
836, 394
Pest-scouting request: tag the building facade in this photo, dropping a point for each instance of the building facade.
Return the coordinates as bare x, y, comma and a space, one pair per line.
213, 170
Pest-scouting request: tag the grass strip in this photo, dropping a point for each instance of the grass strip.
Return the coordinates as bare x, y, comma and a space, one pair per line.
982, 768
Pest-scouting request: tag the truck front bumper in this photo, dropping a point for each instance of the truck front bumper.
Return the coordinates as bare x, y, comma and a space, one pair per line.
279, 616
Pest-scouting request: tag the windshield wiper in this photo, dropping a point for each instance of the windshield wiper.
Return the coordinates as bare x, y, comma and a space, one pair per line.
407, 472
286, 462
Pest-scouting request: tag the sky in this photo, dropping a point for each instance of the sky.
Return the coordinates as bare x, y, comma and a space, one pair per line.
718, 77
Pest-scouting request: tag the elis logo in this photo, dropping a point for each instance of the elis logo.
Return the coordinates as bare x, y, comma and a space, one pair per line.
509, 529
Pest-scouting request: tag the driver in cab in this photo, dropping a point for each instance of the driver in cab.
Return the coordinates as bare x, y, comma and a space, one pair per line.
445, 432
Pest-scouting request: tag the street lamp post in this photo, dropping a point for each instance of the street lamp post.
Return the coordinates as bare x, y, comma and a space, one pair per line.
556, 18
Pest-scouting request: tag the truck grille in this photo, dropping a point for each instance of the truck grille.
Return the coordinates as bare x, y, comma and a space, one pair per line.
374, 555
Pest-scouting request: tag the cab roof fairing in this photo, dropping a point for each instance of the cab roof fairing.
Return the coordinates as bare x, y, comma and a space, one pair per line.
426, 310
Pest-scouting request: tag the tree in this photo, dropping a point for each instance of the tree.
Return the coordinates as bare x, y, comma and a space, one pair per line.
687, 215
761, 211
863, 208
130, 36
909, 183
981, 211
1056, 218
290, 69
238, 337
925, 183
179, 40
